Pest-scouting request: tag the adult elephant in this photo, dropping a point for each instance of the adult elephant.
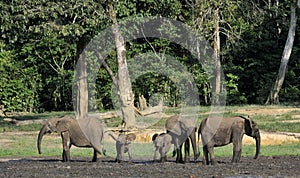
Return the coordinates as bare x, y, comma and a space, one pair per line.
182, 129
85, 132
227, 130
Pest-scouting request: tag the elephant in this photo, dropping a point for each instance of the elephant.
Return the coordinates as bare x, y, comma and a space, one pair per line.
162, 143
123, 145
182, 129
230, 130
84, 132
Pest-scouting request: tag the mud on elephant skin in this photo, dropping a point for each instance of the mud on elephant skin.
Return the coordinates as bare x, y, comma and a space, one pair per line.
217, 132
84, 132
162, 143
183, 130
123, 145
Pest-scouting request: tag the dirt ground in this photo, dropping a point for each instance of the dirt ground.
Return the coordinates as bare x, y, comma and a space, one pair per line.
281, 166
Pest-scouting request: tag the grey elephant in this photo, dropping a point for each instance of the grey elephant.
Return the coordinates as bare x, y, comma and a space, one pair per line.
123, 145
85, 132
229, 130
183, 130
162, 143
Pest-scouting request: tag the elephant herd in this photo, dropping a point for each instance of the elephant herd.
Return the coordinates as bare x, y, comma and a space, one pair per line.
180, 132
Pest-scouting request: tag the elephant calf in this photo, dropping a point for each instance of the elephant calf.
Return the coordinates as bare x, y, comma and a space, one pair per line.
123, 145
85, 132
162, 143
222, 131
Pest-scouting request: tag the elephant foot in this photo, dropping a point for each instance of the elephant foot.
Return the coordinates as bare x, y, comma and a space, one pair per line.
120, 161
180, 161
95, 160
163, 159
214, 162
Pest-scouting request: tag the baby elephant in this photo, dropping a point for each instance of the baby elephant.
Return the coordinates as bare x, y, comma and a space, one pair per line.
162, 143
123, 145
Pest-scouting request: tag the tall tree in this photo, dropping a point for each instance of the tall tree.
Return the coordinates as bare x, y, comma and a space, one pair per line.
274, 94
122, 82
217, 78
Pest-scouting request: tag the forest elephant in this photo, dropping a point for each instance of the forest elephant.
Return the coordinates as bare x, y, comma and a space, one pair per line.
182, 129
123, 145
84, 132
162, 143
229, 130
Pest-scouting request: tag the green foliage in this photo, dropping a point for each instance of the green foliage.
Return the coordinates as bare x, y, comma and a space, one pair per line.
233, 94
18, 85
41, 40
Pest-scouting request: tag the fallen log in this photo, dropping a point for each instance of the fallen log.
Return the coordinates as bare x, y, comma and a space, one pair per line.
18, 122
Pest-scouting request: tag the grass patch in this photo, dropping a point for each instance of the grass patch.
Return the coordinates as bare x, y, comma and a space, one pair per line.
25, 145
281, 127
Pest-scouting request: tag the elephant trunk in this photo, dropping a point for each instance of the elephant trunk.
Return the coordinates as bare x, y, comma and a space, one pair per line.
40, 137
257, 141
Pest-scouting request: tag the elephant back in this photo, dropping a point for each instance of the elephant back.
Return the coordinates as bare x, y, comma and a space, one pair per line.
180, 125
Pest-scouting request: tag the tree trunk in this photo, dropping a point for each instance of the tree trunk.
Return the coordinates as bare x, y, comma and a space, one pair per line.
124, 83
217, 70
81, 81
274, 94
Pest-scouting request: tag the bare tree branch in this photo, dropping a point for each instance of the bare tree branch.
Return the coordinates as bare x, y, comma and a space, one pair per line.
107, 68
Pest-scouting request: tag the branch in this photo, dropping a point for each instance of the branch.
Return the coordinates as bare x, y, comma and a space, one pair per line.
110, 72
153, 49
48, 62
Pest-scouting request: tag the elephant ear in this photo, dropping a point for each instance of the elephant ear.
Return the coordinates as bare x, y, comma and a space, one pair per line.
130, 137
62, 125
248, 125
154, 136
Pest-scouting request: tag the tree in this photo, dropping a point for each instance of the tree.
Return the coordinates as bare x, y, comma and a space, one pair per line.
274, 94
122, 82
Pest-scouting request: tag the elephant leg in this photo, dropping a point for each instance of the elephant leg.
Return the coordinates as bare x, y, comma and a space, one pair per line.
66, 146
95, 156
187, 151
212, 155
129, 152
194, 146
178, 151
120, 153
179, 154
163, 155
205, 156
155, 153
118, 148
237, 150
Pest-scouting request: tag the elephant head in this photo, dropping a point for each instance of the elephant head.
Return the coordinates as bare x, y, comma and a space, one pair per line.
52, 125
252, 130
162, 143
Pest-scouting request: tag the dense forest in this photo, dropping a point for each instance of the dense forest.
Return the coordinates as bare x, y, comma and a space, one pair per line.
41, 42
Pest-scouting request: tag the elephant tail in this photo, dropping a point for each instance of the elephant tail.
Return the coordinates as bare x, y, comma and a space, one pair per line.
103, 151
113, 136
